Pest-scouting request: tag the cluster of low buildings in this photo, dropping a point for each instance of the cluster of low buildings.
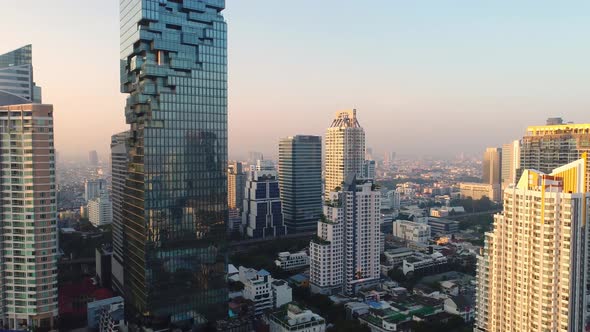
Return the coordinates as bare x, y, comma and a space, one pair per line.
266, 304
292, 261
390, 307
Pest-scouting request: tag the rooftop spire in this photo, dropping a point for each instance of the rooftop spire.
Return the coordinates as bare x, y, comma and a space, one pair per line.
346, 118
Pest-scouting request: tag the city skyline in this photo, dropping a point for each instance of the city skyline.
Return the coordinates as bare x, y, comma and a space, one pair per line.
295, 166
401, 90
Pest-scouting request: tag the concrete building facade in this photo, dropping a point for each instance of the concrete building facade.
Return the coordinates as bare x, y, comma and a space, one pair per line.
480, 190
533, 270
492, 166
100, 210
547, 147
345, 252
292, 261
411, 231
263, 290
295, 319
510, 163
28, 245
93, 188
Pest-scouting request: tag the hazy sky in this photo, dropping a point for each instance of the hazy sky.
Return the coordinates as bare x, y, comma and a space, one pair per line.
427, 77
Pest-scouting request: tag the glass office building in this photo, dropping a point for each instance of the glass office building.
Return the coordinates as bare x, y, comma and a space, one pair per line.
300, 177
174, 70
16, 77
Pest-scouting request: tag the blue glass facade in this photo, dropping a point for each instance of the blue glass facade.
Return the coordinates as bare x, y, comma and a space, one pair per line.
263, 213
174, 70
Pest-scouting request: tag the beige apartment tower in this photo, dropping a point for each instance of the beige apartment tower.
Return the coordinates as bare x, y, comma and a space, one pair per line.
344, 150
532, 273
28, 241
492, 166
510, 163
236, 184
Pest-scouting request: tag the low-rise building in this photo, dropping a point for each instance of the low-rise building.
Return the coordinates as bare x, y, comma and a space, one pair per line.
395, 316
356, 309
103, 262
292, 261
442, 226
439, 212
106, 315
100, 210
449, 287
385, 321
263, 290
424, 264
445, 211
234, 222
411, 231
462, 306
396, 256
281, 293
299, 280
295, 319
480, 190
241, 317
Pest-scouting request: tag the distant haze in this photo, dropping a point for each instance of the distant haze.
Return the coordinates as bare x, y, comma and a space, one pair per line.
433, 77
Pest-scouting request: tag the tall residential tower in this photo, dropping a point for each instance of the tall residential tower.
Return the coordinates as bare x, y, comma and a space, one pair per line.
345, 253
28, 227
510, 163
300, 177
550, 146
236, 183
534, 268
492, 166
28, 209
345, 150
174, 70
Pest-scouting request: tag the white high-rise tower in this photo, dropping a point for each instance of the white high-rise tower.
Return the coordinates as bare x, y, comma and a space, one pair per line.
345, 253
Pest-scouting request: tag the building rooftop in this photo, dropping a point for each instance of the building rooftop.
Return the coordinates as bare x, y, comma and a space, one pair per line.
279, 283
346, 119
583, 128
299, 278
463, 302
442, 220
18, 57
293, 315
399, 250
263, 273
